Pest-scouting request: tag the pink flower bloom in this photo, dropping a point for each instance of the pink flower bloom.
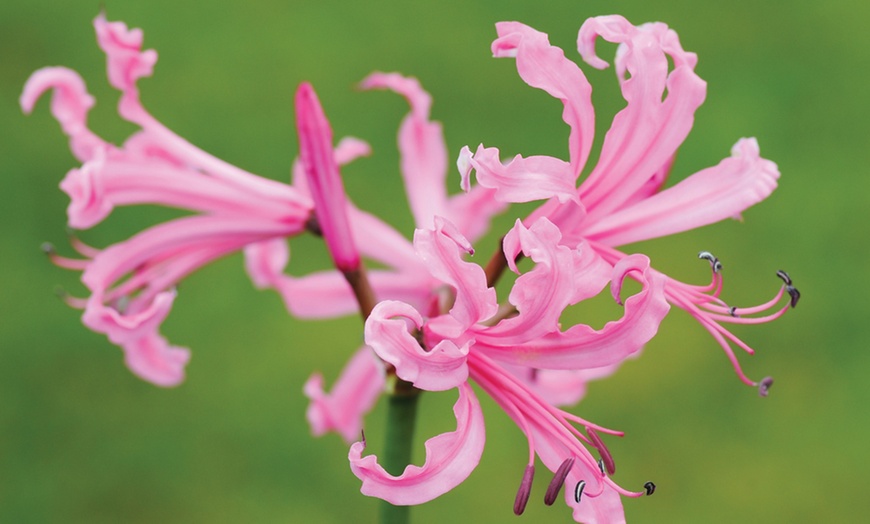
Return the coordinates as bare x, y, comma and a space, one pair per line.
472, 340
622, 200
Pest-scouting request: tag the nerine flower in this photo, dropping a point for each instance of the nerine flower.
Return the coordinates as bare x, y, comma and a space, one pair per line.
622, 200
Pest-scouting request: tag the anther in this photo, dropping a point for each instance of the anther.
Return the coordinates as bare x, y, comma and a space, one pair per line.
578, 490
714, 262
789, 287
47, 248
312, 225
650, 488
558, 479
606, 457
601, 465
525, 490
733, 311
764, 386
784, 276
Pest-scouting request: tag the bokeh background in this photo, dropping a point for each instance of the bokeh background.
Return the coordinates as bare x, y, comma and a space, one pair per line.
83, 440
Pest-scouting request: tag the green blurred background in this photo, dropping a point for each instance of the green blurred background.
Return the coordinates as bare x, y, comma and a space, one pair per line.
82, 440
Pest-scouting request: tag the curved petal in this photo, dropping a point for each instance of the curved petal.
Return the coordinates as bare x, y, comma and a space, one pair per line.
521, 179
126, 62
647, 133
711, 195
441, 251
122, 328
544, 66
450, 458
421, 146
581, 347
604, 508
70, 103
151, 358
472, 212
439, 368
562, 276
354, 394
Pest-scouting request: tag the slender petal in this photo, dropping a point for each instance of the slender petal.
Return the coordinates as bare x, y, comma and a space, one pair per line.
450, 458
354, 394
151, 358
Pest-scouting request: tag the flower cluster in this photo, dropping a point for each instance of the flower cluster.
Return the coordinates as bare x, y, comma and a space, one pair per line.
433, 318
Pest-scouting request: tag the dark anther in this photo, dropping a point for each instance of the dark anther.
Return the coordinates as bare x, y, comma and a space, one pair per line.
789, 287
525, 490
764, 386
606, 457
47, 248
362, 437
711, 258
733, 311
601, 465
650, 488
578, 490
558, 479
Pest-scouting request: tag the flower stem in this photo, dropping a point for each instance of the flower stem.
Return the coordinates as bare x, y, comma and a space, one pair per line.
401, 414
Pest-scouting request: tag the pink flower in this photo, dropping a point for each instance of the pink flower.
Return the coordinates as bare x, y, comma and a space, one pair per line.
622, 200
473, 340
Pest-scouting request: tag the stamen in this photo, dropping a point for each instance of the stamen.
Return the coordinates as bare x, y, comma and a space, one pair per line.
789, 287
558, 479
733, 311
764, 386
714, 262
650, 488
312, 225
606, 457
601, 465
525, 490
578, 490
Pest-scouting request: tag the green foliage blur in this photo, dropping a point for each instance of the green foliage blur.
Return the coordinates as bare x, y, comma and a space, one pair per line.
84, 441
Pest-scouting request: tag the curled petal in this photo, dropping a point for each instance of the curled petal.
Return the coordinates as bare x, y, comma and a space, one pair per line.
151, 358
353, 395
441, 368
265, 261
70, 103
441, 251
122, 328
581, 347
604, 508
521, 179
127, 63
562, 276
711, 195
85, 188
450, 458
645, 135
544, 66
422, 148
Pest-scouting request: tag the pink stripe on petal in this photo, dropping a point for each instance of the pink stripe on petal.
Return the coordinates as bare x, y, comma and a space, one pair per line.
545, 67
440, 368
450, 458
711, 195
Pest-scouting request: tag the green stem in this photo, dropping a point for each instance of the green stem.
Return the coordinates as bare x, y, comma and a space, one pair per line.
401, 413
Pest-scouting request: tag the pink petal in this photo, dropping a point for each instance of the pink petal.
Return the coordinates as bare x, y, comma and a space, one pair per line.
122, 328
472, 212
605, 508
711, 195
581, 347
562, 276
70, 103
126, 62
151, 358
521, 179
422, 148
544, 66
441, 251
440, 368
646, 134
450, 458
354, 394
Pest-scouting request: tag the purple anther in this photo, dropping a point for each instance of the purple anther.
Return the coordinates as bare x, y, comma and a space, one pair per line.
794, 294
578, 490
601, 466
558, 479
650, 488
711, 258
606, 457
733, 311
764, 386
784, 276
525, 490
